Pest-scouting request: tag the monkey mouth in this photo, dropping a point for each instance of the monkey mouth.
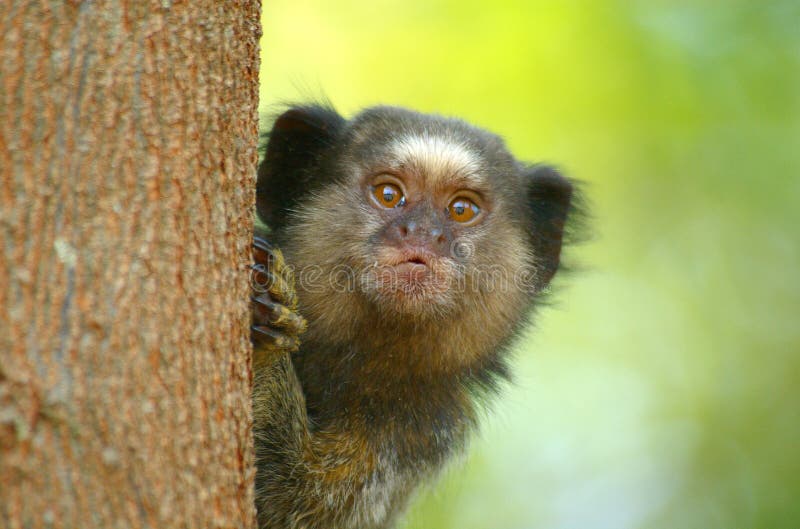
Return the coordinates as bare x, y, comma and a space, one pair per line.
411, 264
410, 281
409, 267
410, 258
410, 273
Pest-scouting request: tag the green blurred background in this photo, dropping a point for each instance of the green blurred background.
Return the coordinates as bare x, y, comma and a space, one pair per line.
662, 390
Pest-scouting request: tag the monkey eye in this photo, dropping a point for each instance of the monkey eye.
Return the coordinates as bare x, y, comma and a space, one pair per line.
388, 195
463, 209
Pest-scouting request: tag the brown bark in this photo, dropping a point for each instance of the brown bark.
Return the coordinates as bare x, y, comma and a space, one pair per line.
127, 156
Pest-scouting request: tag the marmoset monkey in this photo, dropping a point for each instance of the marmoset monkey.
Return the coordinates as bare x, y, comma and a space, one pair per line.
418, 245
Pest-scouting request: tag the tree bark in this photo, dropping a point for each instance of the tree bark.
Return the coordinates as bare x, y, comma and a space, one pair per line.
128, 138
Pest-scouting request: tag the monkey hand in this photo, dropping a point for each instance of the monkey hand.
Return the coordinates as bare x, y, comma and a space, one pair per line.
276, 324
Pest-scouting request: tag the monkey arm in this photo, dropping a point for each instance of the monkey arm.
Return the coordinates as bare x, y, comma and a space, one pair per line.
305, 477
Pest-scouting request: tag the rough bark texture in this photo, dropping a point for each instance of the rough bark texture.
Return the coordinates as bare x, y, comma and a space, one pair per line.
127, 154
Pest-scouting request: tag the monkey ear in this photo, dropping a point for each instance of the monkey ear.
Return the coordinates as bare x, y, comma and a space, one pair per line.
550, 197
298, 139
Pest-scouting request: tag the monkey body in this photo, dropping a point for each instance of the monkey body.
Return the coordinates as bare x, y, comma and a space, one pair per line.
419, 247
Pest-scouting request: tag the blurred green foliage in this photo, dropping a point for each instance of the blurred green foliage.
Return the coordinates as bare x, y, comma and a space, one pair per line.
663, 388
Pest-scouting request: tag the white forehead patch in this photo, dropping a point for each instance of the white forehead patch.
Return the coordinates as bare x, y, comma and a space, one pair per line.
435, 155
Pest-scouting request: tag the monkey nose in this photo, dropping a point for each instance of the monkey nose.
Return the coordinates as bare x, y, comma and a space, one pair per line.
421, 232
437, 234
409, 228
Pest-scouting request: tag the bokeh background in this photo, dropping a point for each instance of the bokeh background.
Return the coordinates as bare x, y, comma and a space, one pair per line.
662, 389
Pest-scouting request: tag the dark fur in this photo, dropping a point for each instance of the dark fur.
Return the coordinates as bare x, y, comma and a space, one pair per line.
376, 400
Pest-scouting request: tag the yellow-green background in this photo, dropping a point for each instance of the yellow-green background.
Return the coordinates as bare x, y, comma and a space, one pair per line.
663, 388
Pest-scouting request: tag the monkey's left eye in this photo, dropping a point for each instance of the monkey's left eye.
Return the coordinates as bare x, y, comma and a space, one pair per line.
463, 210
388, 195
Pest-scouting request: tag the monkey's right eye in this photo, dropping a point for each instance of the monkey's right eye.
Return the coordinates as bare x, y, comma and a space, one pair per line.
388, 195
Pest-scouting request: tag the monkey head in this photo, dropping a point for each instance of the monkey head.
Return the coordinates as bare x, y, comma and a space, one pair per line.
408, 215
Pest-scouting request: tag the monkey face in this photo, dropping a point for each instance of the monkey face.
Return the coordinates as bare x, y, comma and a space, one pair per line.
409, 213
428, 201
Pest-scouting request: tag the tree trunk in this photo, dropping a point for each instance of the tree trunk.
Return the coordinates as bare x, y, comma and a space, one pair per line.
128, 137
